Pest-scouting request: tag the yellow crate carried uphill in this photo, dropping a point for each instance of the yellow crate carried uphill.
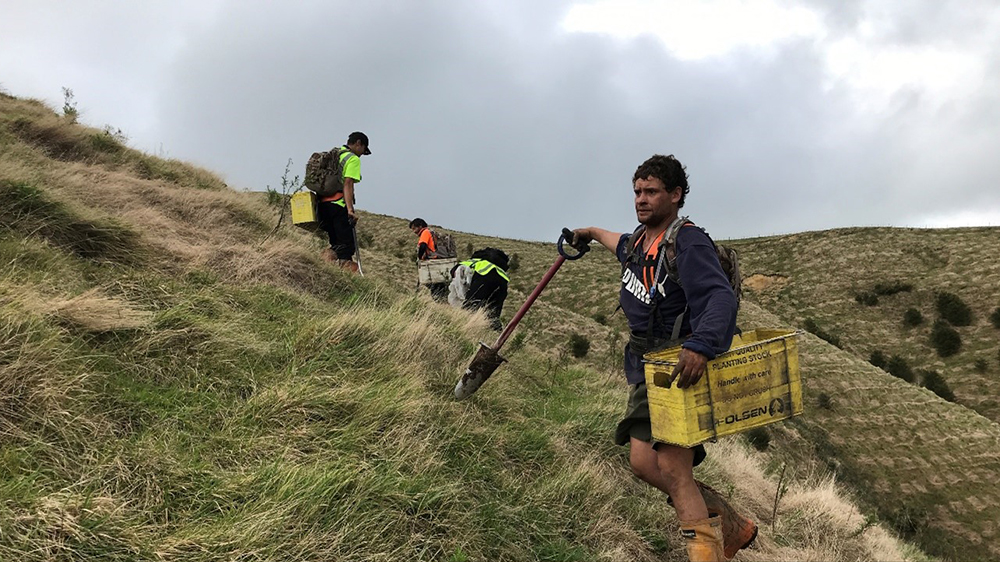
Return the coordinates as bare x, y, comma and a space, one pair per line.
304, 209
755, 383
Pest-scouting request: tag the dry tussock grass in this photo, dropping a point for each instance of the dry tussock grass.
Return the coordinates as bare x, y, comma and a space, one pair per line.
411, 331
92, 311
813, 513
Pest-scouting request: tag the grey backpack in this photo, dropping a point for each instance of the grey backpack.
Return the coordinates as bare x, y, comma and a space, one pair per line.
325, 171
444, 245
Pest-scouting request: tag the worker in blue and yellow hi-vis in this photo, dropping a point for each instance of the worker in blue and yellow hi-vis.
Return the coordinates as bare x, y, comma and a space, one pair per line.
488, 288
337, 215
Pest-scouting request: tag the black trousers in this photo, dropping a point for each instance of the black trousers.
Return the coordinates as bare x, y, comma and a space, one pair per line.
487, 291
334, 220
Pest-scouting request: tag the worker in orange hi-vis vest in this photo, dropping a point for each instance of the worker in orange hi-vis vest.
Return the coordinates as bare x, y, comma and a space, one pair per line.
427, 250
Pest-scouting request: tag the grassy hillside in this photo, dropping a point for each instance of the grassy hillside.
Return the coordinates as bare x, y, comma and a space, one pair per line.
890, 440
177, 382
818, 275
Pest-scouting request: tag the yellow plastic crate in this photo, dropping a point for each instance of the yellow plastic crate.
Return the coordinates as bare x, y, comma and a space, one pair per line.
304, 208
755, 383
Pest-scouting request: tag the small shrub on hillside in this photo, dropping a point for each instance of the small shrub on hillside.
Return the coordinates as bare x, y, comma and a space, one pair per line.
365, 240
878, 359
981, 365
867, 299
945, 339
812, 328
899, 368
908, 521
274, 198
953, 309
759, 438
912, 317
823, 400
115, 134
886, 289
69, 105
469, 248
934, 382
579, 345
600, 318
517, 342
514, 263
995, 318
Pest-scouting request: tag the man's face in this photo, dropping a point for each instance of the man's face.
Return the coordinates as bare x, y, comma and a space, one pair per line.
653, 202
357, 147
416, 230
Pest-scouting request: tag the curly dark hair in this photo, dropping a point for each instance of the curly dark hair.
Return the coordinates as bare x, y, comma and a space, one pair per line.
667, 169
419, 223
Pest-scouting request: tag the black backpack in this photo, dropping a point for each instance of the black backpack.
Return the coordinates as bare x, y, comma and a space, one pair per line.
494, 256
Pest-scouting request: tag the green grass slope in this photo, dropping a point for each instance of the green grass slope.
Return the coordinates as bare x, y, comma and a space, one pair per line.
178, 382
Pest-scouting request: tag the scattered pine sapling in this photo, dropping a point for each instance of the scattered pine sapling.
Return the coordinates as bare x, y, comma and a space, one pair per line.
981, 365
514, 263
945, 339
934, 382
878, 359
867, 299
811, 327
70, 111
823, 401
281, 200
995, 318
579, 345
912, 317
953, 309
759, 437
892, 288
899, 368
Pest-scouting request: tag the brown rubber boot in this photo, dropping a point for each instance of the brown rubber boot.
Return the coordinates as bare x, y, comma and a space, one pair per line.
738, 532
349, 265
704, 539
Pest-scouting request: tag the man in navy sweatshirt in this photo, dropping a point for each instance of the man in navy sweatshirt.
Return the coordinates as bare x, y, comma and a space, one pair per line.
694, 308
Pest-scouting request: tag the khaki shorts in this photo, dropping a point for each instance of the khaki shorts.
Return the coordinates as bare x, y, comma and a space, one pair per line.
636, 422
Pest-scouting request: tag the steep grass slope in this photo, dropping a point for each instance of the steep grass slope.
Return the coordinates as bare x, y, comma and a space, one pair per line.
178, 383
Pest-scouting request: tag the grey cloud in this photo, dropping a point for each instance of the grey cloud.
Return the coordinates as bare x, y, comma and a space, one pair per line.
485, 117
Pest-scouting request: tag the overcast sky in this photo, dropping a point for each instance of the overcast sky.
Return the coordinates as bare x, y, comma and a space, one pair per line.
517, 117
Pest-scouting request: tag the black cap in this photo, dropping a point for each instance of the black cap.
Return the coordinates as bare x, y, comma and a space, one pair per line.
359, 136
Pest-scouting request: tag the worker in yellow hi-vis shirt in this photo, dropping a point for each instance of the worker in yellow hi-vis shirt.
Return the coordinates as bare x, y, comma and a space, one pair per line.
336, 212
